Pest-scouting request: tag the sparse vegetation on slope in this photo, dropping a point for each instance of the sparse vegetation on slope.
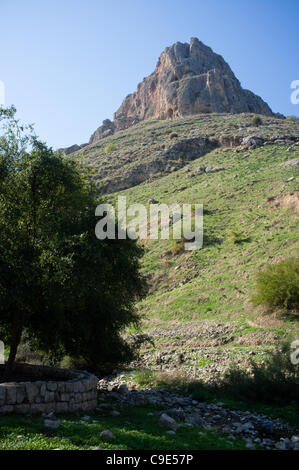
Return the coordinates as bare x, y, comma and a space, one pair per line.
250, 220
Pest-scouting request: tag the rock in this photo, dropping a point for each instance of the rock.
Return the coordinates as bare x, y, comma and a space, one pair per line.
266, 426
290, 163
71, 149
32, 391
49, 423
168, 422
107, 435
284, 444
190, 149
50, 415
85, 418
290, 179
252, 141
123, 389
107, 128
188, 79
114, 413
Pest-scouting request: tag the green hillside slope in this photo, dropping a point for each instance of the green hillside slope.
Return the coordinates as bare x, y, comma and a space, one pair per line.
199, 302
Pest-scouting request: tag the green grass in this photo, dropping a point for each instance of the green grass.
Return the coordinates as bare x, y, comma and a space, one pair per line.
223, 270
243, 232
133, 430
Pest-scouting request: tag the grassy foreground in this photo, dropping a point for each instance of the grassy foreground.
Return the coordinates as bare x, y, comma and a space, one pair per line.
133, 430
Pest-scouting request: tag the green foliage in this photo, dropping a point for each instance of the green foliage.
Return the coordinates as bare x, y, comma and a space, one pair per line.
274, 381
135, 429
109, 148
144, 377
292, 118
177, 246
277, 285
66, 291
257, 121
237, 236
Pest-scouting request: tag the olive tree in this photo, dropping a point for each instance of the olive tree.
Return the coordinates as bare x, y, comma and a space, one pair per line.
67, 291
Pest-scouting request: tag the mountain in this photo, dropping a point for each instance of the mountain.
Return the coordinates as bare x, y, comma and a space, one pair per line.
188, 79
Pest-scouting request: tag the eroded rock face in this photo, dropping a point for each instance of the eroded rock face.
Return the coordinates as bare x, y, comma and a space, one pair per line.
188, 79
107, 128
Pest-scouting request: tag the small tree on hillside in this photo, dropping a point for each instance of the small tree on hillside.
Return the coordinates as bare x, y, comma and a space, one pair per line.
257, 121
67, 291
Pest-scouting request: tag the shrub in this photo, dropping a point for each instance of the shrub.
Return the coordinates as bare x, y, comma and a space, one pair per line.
276, 380
174, 380
292, 118
277, 285
257, 121
144, 377
109, 148
237, 236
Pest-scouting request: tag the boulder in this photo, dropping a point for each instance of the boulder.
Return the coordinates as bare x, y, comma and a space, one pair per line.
168, 422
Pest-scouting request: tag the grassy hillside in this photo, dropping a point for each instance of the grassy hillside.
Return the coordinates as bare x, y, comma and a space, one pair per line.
198, 310
137, 154
199, 302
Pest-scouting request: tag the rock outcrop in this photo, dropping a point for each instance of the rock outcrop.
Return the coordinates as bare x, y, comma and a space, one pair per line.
188, 79
107, 128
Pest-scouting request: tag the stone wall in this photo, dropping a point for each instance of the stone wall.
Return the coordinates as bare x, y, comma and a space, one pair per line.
68, 392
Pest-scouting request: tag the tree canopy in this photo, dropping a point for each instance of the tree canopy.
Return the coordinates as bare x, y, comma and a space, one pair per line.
61, 287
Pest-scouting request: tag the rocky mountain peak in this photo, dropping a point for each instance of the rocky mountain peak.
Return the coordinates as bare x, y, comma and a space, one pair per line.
189, 78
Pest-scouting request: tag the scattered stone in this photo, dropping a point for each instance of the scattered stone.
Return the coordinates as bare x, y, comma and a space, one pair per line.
290, 163
107, 435
85, 418
252, 141
168, 422
49, 423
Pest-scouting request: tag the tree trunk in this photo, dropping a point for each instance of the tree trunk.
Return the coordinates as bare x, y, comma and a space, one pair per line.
14, 343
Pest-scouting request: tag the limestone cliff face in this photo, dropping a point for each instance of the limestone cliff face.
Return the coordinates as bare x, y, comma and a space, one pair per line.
188, 79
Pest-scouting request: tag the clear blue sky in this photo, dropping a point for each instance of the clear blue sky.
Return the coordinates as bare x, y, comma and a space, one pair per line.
68, 64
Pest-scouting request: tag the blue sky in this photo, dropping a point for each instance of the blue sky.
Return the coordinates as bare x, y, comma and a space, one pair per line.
68, 64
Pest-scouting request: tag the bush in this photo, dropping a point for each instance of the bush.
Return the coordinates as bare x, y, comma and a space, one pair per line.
277, 285
257, 121
274, 381
144, 377
109, 148
236, 236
